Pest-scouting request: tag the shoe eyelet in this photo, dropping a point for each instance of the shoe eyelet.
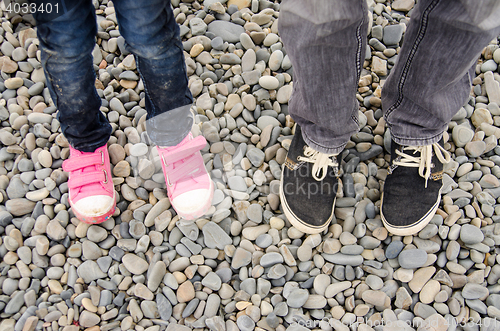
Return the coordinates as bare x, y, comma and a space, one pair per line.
105, 176
102, 157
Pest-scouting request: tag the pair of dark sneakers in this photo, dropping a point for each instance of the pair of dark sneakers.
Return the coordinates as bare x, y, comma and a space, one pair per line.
412, 190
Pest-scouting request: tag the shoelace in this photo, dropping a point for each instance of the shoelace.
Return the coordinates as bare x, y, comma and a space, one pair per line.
320, 161
424, 161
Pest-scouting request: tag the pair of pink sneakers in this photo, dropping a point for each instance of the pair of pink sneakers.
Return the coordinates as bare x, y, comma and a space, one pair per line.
91, 190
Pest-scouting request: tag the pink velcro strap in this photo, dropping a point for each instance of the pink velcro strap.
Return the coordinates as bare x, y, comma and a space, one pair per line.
82, 161
188, 168
181, 152
87, 178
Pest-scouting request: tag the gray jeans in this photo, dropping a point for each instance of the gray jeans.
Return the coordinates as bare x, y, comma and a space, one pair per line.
431, 80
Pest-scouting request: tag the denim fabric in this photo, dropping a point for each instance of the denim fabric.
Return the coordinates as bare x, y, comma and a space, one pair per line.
325, 41
435, 68
151, 34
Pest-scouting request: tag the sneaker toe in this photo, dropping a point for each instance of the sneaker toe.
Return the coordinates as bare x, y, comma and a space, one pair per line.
407, 205
191, 203
94, 206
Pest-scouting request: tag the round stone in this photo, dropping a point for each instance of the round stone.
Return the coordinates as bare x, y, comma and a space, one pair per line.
245, 323
395, 247
135, 264
304, 253
269, 82
185, 292
412, 258
471, 234
473, 291
429, 291
297, 298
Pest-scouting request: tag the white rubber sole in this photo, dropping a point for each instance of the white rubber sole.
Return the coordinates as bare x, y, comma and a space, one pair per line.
411, 229
296, 222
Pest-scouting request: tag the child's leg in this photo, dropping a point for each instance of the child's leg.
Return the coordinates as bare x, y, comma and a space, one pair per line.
66, 43
152, 35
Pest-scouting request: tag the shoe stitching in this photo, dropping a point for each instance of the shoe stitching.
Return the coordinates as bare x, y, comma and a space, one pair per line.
360, 48
439, 135
292, 165
437, 175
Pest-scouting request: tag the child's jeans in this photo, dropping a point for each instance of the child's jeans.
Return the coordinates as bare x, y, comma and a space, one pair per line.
151, 34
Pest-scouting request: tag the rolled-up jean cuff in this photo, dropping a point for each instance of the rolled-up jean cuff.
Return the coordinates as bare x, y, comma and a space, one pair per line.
169, 128
323, 149
417, 141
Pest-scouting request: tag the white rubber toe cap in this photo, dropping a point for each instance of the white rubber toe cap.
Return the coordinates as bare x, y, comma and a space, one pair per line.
192, 201
94, 206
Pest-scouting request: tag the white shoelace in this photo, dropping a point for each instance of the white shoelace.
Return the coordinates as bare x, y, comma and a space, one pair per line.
320, 161
424, 161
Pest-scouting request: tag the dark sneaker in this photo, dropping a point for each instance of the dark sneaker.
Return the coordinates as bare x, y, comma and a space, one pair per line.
308, 187
412, 189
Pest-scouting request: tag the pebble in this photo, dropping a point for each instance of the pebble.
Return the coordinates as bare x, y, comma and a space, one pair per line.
473, 291
412, 258
185, 292
429, 291
89, 271
393, 34
344, 259
212, 281
269, 82
228, 31
297, 298
471, 234
215, 237
245, 323
134, 264
270, 259
393, 249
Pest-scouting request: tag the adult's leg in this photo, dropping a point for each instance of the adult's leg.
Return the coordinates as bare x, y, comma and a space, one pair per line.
66, 43
152, 35
432, 78
326, 42
427, 86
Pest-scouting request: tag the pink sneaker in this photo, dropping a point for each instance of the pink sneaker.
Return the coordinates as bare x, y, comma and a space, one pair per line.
91, 191
189, 186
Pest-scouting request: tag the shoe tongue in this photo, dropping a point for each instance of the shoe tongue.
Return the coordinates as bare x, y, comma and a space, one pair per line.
395, 146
